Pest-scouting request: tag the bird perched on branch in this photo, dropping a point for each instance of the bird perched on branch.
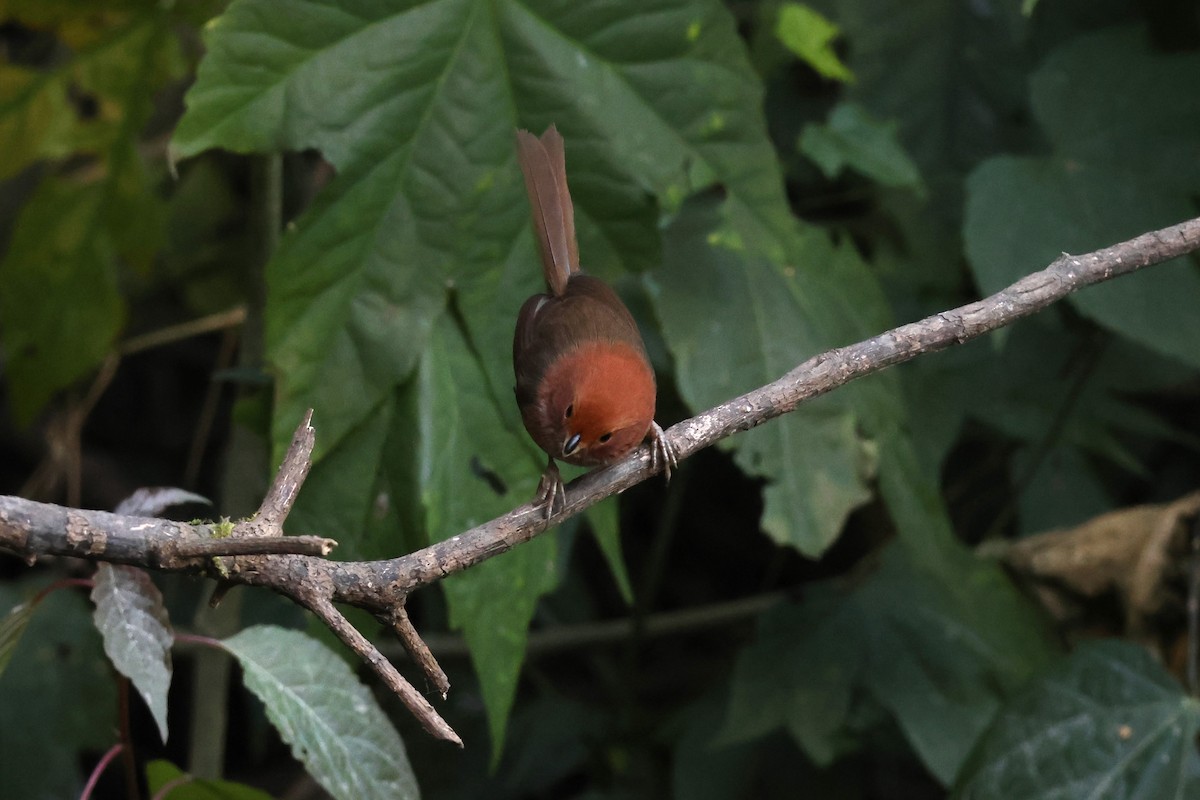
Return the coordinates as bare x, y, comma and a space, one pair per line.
583, 382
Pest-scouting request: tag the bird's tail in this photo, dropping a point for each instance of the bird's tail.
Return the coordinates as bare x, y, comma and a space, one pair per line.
544, 164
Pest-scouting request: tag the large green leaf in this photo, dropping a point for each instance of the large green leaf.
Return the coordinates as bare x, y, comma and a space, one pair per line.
737, 319
419, 250
137, 634
949, 74
1109, 722
57, 695
467, 451
1122, 120
332, 722
911, 640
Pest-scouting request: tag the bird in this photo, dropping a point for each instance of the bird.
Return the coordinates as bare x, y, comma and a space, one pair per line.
583, 382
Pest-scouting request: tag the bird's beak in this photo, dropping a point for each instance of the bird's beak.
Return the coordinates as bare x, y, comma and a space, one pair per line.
571, 444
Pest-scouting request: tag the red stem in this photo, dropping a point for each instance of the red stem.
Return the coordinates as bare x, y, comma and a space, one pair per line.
63, 583
195, 638
131, 775
100, 767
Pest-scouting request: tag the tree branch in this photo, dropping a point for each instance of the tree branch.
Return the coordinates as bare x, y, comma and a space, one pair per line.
30, 529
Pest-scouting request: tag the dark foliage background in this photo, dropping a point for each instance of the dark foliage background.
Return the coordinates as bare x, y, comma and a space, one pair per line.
340, 207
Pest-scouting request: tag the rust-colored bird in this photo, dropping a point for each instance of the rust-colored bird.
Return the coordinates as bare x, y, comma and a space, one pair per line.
584, 384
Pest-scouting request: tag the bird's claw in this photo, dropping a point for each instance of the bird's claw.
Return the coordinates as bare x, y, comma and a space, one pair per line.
551, 494
662, 452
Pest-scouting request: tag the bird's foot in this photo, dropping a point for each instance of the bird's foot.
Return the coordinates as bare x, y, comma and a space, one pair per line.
662, 452
551, 494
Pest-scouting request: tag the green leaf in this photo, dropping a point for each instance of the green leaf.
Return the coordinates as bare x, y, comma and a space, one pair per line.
137, 634
11, 628
332, 722
852, 138
1023, 213
57, 696
1108, 722
160, 774
59, 301
418, 254
38, 109
914, 643
468, 450
950, 77
1125, 162
810, 37
603, 522
729, 338
1109, 98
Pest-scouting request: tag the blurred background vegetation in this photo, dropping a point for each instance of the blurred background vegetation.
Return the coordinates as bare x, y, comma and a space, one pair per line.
214, 217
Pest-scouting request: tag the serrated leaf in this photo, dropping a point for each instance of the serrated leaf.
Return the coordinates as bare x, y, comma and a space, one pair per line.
852, 138
185, 787
11, 627
730, 338
153, 501
331, 721
810, 37
1108, 722
914, 643
137, 634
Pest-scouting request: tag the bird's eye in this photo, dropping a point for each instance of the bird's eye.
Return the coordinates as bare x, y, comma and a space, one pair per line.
605, 437
570, 411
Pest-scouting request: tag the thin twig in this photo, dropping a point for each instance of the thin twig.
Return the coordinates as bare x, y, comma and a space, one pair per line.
208, 410
1193, 608
266, 545
292, 472
127, 754
102, 765
184, 330
612, 632
418, 651
412, 699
